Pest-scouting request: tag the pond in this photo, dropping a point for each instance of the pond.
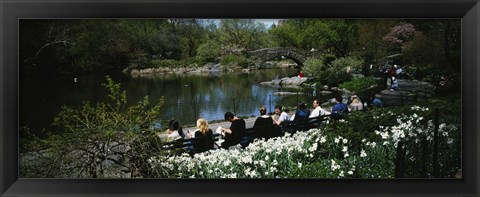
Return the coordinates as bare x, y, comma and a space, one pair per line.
187, 96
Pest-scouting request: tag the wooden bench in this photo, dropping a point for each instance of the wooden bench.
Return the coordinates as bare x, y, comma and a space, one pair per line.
250, 133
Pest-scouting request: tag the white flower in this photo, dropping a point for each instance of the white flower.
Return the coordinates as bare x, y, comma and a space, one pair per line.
323, 140
275, 162
341, 174
350, 172
313, 148
337, 140
344, 149
384, 135
345, 141
273, 169
227, 162
346, 155
362, 153
364, 140
450, 141
385, 143
442, 126
299, 165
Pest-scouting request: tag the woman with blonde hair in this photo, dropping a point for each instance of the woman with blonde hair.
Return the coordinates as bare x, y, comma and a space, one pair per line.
203, 136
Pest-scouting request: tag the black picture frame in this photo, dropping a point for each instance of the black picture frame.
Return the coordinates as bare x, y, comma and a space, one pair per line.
11, 11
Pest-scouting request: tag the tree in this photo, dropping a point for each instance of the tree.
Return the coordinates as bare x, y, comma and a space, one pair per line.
370, 40
401, 35
157, 38
241, 34
336, 36
40, 39
191, 33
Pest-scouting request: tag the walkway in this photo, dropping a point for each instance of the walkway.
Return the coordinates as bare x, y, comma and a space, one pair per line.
408, 92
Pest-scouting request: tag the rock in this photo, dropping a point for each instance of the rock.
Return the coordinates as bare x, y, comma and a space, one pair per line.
325, 92
325, 87
246, 70
334, 88
294, 82
332, 101
286, 93
408, 92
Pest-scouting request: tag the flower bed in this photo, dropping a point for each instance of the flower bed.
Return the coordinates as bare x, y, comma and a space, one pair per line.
324, 153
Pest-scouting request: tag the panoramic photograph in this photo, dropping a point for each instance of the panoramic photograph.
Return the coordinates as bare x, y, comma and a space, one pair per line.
182, 98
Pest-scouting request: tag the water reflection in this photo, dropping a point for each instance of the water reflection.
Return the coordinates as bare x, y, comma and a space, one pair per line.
187, 96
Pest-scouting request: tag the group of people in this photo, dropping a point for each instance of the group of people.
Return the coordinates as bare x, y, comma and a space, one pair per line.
390, 75
203, 135
265, 126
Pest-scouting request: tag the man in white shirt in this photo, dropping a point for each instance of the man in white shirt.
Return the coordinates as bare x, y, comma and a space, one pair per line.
283, 116
318, 111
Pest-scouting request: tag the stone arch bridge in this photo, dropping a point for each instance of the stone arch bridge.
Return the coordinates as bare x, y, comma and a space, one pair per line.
299, 56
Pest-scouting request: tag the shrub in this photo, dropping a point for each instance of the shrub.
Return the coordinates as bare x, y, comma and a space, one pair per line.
359, 84
208, 51
350, 64
331, 72
234, 60
106, 140
164, 63
313, 67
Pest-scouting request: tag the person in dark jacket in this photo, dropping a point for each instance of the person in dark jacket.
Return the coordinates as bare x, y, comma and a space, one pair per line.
263, 125
235, 133
339, 110
203, 137
302, 113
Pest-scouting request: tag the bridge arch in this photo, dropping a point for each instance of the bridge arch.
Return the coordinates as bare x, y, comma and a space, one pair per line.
299, 56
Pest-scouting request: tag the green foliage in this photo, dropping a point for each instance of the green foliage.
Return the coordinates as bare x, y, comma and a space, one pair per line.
75, 46
165, 63
371, 46
208, 51
98, 141
234, 60
332, 36
351, 64
358, 84
313, 67
333, 73
241, 34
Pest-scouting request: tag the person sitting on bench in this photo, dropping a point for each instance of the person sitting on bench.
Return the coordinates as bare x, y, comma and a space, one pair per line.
174, 131
339, 110
235, 133
263, 125
203, 137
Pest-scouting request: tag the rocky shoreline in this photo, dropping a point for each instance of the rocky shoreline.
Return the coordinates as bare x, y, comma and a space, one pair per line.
207, 68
